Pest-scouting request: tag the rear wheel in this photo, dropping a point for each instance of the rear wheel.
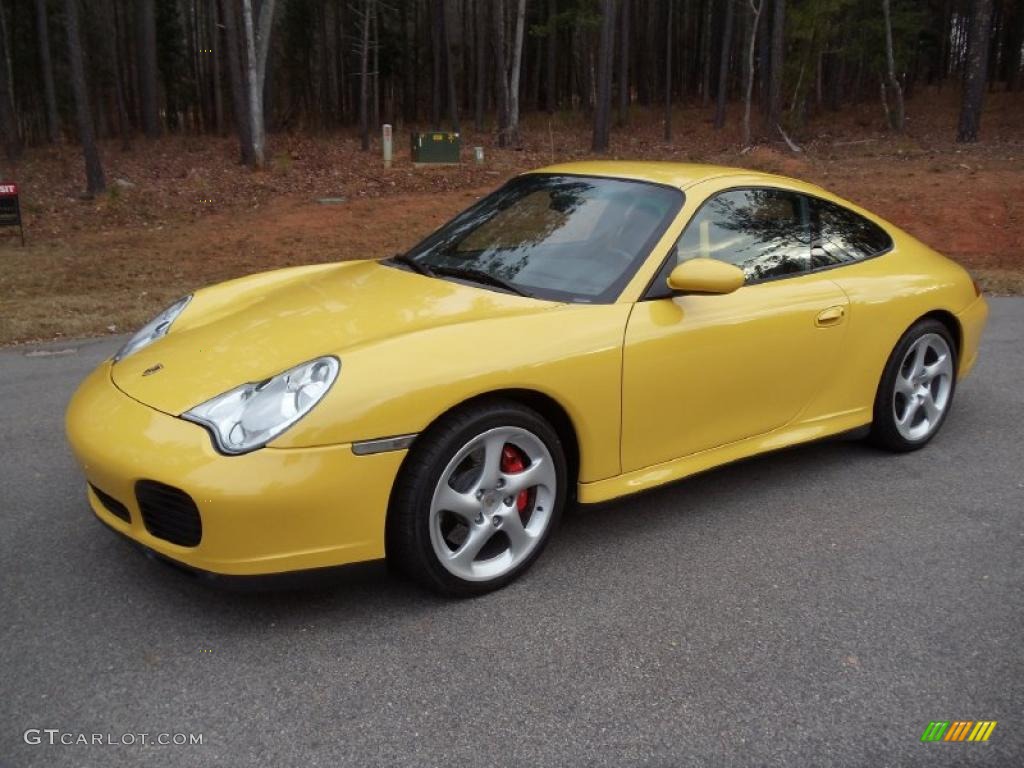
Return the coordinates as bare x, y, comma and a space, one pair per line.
477, 499
917, 388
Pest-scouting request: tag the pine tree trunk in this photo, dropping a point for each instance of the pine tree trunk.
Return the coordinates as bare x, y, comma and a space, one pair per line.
364, 84
517, 68
46, 65
146, 16
751, 52
257, 48
480, 23
218, 89
437, 43
894, 115
551, 78
8, 119
976, 72
603, 104
239, 98
764, 57
778, 49
668, 73
501, 73
375, 50
410, 64
624, 64
114, 68
723, 66
95, 182
446, 52
705, 47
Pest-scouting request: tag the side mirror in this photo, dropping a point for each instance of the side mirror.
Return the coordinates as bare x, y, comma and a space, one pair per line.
705, 276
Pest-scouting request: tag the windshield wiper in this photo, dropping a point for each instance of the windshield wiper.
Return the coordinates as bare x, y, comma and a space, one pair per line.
414, 265
479, 276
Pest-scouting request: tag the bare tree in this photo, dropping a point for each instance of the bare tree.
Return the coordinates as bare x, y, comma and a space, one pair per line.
436, 45
755, 8
517, 67
146, 19
723, 65
218, 91
257, 47
778, 50
95, 182
369, 8
501, 73
508, 73
46, 65
705, 53
551, 86
239, 98
480, 26
624, 65
108, 18
668, 73
446, 51
603, 107
895, 115
8, 119
976, 73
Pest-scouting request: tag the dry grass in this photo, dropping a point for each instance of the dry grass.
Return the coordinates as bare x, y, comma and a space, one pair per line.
192, 216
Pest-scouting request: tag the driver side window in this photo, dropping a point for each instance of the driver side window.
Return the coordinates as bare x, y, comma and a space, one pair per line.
764, 232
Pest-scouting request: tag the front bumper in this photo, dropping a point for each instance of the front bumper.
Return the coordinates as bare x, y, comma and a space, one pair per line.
269, 511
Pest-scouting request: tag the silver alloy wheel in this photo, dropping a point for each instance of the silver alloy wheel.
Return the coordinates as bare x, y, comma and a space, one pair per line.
476, 528
924, 383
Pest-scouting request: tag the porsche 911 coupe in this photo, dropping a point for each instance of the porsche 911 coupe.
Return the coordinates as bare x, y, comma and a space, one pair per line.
587, 331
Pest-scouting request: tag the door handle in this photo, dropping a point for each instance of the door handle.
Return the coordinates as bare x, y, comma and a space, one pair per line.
830, 316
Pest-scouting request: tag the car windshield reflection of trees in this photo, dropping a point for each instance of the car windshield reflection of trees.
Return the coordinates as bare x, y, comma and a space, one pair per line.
558, 237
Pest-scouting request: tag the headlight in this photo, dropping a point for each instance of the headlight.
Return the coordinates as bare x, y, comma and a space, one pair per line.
250, 416
154, 329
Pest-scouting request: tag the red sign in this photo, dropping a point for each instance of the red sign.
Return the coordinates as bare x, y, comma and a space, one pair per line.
8, 190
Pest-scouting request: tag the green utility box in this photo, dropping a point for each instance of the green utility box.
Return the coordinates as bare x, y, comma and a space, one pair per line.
436, 147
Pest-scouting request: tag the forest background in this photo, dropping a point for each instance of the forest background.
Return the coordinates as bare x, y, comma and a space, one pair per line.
160, 145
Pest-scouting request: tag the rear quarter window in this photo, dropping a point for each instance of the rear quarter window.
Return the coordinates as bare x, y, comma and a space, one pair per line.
845, 236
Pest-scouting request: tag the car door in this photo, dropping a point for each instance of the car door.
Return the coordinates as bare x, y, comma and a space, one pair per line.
700, 371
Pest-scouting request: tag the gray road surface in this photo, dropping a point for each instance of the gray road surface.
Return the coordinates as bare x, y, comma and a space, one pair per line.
814, 607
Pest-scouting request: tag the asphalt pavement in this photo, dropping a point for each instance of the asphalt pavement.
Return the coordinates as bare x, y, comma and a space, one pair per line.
814, 607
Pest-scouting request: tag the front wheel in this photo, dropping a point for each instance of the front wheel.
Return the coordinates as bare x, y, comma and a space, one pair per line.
916, 390
477, 498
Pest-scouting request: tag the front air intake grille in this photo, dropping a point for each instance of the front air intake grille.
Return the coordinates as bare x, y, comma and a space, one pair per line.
112, 505
169, 513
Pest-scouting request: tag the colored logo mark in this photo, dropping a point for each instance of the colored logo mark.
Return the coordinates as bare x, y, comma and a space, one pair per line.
958, 730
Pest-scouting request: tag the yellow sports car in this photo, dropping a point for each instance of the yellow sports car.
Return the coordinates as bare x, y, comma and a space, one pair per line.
587, 331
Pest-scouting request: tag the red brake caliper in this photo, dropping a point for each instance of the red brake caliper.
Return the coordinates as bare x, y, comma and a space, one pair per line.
513, 461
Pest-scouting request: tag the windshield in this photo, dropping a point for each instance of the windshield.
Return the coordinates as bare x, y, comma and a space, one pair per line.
557, 237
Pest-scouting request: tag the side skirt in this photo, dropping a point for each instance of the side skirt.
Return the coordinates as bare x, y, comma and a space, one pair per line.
676, 469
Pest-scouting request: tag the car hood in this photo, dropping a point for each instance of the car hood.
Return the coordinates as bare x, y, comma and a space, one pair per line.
251, 329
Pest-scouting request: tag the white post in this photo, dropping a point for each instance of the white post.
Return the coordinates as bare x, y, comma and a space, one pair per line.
386, 143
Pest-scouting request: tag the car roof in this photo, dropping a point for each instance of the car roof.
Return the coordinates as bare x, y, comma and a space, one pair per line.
680, 175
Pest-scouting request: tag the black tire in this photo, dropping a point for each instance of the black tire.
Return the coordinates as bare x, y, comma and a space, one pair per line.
407, 537
884, 431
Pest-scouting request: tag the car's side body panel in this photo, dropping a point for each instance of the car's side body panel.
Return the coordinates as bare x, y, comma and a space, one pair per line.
572, 354
701, 428
702, 371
